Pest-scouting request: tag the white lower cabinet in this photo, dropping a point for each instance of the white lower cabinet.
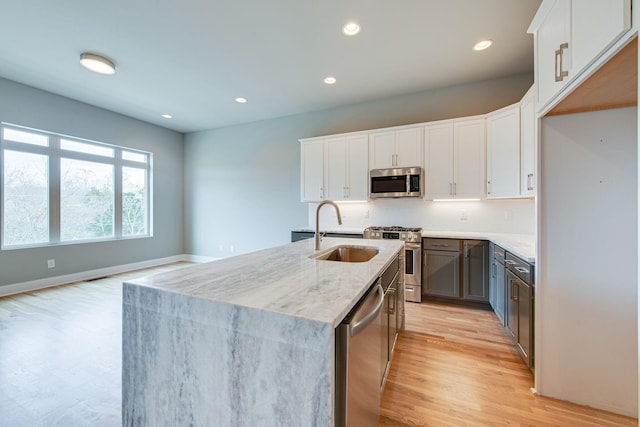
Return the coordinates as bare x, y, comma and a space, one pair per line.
503, 153
455, 160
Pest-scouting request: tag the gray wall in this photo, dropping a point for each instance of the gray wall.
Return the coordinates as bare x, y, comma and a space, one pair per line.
24, 105
242, 183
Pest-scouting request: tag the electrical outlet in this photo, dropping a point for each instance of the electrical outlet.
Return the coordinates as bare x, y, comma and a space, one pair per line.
51, 263
366, 213
464, 215
508, 214
220, 248
232, 249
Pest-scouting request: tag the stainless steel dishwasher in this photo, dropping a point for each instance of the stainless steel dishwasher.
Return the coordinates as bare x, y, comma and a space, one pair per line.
358, 370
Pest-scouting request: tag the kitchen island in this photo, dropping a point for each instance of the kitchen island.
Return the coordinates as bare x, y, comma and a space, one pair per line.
243, 341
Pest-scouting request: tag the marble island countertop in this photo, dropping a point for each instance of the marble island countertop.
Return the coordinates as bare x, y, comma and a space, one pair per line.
282, 280
522, 245
242, 341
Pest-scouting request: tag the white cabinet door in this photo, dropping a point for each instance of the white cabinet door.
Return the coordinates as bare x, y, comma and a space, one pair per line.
469, 159
438, 161
553, 56
595, 25
335, 173
357, 168
312, 153
382, 150
503, 153
409, 147
528, 138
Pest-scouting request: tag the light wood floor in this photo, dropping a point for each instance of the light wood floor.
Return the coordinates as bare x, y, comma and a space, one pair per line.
60, 365
60, 354
456, 366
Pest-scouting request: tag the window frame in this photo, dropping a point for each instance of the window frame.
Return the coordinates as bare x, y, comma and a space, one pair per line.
55, 155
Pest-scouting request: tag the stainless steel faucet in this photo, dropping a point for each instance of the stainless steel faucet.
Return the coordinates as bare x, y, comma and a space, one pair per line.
329, 202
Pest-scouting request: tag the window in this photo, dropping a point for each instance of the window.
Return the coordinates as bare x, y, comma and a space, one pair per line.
60, 189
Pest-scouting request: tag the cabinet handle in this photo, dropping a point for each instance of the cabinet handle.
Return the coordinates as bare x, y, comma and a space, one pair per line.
451, 188
394, 160
488, 187
494, 270
514, 291
529, 181
522, 270
455, 188
560, 73
321, 193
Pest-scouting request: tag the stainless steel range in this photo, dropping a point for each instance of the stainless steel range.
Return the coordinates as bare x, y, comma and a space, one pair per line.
413, 256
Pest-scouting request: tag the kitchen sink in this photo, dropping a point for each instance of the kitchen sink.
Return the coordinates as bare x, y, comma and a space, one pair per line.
347, 253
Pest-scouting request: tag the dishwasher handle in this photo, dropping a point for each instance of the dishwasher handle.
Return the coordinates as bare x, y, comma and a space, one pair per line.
369, 317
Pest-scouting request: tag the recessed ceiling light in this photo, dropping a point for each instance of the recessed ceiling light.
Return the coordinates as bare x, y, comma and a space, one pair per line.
482, 45
97, 63
167, 116
241, 100
351, 28
330, 80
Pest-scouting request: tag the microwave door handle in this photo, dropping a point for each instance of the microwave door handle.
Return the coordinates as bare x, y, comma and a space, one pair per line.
408, 182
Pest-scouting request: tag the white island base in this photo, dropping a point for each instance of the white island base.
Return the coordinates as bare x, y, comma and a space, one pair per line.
245, 341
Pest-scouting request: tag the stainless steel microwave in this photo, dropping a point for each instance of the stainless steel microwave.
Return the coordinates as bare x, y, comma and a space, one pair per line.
396, 182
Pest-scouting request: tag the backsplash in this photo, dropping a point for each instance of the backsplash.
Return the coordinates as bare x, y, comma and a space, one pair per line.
516, 216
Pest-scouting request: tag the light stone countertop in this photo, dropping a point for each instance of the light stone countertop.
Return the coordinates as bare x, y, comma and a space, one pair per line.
522, 245
283, 279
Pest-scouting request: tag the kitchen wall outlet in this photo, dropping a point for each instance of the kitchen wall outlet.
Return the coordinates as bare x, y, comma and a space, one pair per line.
51, 263
232, 249
220, 248
508, 214
464, 215
366, 213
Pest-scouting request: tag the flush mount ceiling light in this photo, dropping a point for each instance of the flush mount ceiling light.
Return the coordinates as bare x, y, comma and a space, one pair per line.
241, 100
351, 28
482, 45
330, 80
167, 116
97, 63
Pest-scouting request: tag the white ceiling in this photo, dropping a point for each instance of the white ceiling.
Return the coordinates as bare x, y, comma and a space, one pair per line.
192, 58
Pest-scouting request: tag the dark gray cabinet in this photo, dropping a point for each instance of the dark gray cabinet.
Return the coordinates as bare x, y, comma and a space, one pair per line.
441, 268
520, 316
390, 325
497, 284
475, 270
456, 270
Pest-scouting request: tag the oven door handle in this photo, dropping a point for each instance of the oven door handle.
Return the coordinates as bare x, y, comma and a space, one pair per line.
412, 245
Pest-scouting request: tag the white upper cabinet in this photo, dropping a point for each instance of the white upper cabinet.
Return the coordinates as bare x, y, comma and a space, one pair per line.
347, 168
439, 161
553, 59
409, 143
503, 153
455, 160
469, 159
570, 35
595, 25
312, 170
528, 138
397, 148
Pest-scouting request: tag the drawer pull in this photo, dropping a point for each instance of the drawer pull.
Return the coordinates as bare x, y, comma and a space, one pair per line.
522, 270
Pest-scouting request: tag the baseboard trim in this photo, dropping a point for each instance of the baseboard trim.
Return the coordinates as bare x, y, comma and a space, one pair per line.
49, 282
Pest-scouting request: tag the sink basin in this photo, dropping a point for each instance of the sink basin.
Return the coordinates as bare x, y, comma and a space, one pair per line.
347, 253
